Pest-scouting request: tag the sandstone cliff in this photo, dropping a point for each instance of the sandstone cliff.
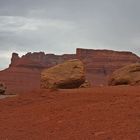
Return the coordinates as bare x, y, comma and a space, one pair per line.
39, 60
24, 72
100, 64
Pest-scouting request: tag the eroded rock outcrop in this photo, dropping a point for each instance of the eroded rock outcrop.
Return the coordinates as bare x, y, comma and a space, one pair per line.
69, 74
99, 64
24, 72
128, 75
39, 60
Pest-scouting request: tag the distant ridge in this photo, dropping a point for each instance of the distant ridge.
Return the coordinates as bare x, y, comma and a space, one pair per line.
24, 72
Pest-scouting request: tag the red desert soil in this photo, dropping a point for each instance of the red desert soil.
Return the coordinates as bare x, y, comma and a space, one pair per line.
101, 113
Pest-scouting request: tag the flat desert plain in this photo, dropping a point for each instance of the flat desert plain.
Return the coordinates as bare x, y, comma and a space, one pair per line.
98, 113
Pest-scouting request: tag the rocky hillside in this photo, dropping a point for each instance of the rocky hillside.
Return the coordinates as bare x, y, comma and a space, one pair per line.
24, 72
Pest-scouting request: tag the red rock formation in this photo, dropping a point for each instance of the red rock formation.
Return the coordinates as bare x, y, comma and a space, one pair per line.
127, 75
19, 80
101, 63
39, 60
68, 75
14, 59
24, 72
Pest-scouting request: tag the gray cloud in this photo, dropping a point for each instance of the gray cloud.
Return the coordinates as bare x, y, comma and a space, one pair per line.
60, 26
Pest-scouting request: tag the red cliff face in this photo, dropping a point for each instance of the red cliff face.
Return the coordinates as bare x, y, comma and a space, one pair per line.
39, 60
24, 72
100, 64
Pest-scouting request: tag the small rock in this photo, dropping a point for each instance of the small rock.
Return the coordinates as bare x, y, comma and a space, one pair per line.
86, 84
2, 88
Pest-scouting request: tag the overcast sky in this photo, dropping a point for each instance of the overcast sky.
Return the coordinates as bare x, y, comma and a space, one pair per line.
61, 26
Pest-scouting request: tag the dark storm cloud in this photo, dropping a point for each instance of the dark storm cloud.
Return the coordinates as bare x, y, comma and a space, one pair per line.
62, 25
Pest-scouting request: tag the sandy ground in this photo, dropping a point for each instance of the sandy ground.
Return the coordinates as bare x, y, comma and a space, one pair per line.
6, 96
100, 113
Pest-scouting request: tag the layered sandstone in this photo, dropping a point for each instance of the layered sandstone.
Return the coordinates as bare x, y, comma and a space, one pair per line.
20, 79
24, 72
39, 60
100, 64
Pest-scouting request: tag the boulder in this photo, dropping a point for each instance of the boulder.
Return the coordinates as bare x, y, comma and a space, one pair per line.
69, 74
128, 75
2, 88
